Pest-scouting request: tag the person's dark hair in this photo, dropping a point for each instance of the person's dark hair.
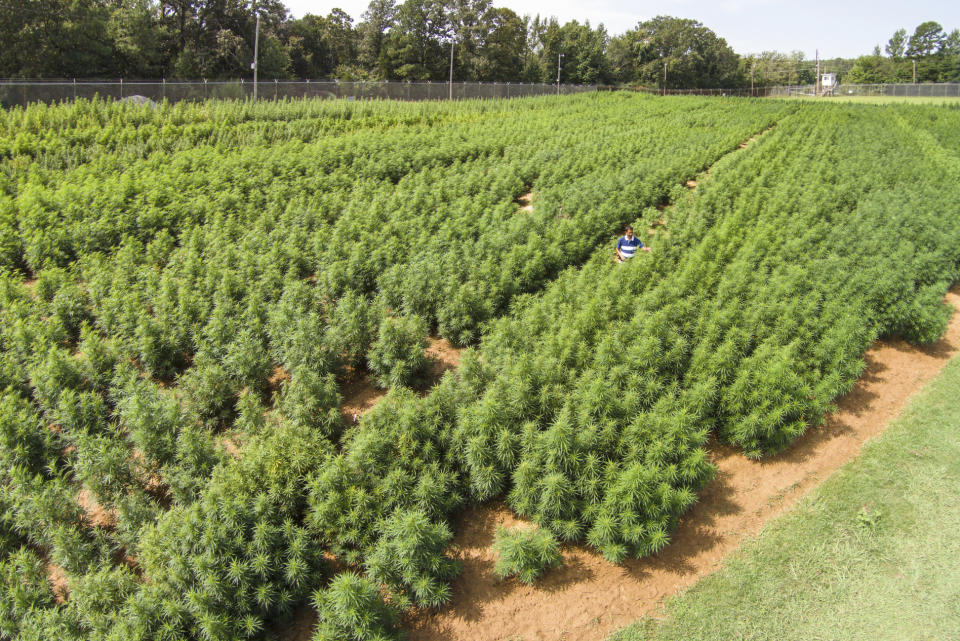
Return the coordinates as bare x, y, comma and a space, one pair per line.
628, 228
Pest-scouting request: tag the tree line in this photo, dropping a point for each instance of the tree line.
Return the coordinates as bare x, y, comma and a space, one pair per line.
929, 55
412, 40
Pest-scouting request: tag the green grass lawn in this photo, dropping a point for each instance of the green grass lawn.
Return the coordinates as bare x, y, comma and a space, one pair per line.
872, 554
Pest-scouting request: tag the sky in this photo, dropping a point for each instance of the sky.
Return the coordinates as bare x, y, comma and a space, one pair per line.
838, 28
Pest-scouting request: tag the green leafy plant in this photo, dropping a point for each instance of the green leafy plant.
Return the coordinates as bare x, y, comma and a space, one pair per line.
351, 609
397, 357
410, 557
525, 553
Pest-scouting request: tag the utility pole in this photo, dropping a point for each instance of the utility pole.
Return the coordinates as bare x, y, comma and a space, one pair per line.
753, 66
816, 86
451, 67
664, 77
914, 71
559, 56
255, 63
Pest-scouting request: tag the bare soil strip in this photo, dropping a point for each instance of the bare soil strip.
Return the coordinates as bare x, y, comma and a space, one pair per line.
359, 396
94, 514
587, 598
444, 357
58, 582
526, 201
691, 184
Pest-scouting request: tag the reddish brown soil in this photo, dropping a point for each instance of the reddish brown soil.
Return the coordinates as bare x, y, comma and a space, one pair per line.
587, 597
231, 445
93, 513
444, 356
277, 378
526, 202
152, 482
360, 394
691, 184
58, 582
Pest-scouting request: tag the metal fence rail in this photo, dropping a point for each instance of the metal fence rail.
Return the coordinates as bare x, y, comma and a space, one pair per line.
737, 91
22, 92
918, 90
906, 90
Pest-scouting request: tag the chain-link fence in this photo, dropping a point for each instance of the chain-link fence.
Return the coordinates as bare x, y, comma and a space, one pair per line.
22, 92
700, 92
907, 90
912, 90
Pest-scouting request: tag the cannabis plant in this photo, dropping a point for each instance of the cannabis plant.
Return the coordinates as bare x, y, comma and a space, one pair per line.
397, 356
525, 553
351, 609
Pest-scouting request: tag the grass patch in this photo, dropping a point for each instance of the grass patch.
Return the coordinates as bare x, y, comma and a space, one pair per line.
872, 554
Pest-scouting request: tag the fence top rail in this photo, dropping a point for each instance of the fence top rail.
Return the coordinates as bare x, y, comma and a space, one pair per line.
239, 81
22, 92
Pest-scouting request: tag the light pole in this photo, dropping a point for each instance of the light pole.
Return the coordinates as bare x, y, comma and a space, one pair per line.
256, 47
451, 67
559, 56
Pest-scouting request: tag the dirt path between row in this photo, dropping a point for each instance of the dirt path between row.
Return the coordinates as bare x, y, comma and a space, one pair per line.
360, 394
587, 598
526, 202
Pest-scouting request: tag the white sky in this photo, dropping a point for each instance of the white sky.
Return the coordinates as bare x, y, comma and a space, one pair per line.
838, 28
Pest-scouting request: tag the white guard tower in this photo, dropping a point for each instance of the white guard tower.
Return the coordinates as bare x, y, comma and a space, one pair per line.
828, 82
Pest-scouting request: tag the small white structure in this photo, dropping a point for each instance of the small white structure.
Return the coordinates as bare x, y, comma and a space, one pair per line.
828, 80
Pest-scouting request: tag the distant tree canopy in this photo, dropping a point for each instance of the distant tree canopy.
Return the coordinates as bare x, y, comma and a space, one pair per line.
676, 52
935, 53
411, 40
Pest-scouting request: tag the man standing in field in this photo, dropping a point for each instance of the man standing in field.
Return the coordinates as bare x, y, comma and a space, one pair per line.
628, 244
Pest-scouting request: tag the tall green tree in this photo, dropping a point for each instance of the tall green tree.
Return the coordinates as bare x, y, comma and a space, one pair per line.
897, 45
377, 20
871, 70
137, 35
533, 70
584, 50
679, 53
469, 26
416, 47
214, 38
502, 53
771, 68
56, 38
320, 46
926, 40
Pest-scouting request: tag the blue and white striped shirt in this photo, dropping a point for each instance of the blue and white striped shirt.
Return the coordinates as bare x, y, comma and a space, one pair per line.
628, 247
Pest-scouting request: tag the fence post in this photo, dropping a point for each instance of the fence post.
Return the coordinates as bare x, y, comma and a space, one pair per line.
204, 88
163, 87
74, 89
121, 88
276, 89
